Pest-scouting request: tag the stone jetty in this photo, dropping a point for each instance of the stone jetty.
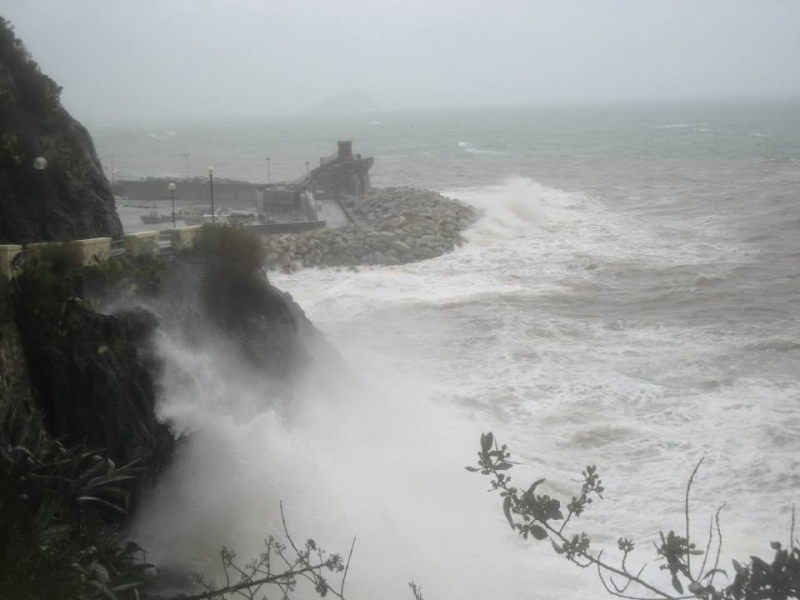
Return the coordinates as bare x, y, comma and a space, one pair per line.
395, 226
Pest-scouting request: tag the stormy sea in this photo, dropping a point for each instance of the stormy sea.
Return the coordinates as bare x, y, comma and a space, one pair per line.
629, 299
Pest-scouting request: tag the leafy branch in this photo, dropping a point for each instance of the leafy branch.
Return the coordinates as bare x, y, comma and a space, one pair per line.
541, 517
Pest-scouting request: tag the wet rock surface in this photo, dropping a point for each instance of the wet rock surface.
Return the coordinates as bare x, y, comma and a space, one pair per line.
396, 226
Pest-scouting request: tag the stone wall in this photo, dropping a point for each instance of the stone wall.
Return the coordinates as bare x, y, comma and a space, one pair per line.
239, 193
402, 225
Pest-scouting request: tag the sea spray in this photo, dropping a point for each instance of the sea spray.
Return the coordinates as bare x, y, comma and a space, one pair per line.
548, 330
383, 466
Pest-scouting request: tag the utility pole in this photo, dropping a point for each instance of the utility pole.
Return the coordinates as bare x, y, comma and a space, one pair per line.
211, 187
269, 175
112, 169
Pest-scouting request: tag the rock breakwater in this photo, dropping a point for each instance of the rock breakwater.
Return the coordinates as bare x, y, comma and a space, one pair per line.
394, 226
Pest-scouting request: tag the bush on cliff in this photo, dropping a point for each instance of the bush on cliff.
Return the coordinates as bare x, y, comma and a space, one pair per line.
232, 248
37, 91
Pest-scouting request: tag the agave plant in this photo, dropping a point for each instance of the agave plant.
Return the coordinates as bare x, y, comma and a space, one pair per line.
66, 503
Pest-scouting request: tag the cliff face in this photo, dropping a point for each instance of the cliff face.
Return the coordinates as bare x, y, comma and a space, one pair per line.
15, 394
95, 377
91, 375
70, 197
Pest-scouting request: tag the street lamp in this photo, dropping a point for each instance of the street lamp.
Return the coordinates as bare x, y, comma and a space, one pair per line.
211, 187
172, 195
307, 170
269, 175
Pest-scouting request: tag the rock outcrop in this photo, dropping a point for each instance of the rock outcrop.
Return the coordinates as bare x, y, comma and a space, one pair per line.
15, 393
64, 197
400, 225
92, 375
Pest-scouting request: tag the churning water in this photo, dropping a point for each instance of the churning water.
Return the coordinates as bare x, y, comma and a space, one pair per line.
630, 299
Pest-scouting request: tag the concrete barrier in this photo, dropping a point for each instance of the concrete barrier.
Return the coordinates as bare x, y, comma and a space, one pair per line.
183, 238
142, 243
7, 254
93, 249
38, 248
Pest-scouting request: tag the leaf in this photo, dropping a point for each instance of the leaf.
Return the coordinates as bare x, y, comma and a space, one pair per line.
90, 500
676, 583
487, 439
556, 547
741, 570
507, 511
714, 571
533, 487
113, 477
502, 466
538, 532
123, 587
472, 469
775, 545
696, 588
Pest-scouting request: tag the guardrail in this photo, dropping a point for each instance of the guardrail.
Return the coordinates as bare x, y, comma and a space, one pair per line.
140, 243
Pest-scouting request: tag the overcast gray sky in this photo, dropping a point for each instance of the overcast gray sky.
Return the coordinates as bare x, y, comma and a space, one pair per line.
144, 58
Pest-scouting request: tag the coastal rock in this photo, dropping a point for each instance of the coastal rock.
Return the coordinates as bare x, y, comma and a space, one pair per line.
92, 376
70, 197
15, 393
398, 226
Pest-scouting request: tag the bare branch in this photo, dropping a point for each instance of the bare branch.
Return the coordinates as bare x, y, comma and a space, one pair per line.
347, 566
686, 516
719, 546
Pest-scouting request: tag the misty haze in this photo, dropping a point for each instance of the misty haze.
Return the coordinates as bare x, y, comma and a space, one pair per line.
279, 268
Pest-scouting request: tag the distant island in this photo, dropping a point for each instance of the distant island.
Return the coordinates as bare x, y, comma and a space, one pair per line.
347, 102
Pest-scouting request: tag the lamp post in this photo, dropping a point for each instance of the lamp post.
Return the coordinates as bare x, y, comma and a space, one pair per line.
308, 172
172, 196
186, 158
211, 187
269, 175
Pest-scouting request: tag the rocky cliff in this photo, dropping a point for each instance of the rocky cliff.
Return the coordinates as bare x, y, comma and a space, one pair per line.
91, 375
15, 393
64, 197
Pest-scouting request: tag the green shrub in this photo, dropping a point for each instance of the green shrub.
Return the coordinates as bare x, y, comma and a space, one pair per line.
59, 509
234, 248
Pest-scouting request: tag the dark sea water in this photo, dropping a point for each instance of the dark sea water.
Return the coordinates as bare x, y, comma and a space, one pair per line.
630, 299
